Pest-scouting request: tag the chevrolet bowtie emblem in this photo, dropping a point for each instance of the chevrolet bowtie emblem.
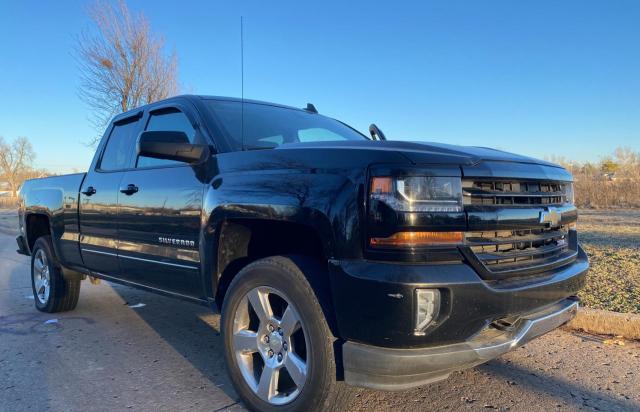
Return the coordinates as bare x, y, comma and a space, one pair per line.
551, 217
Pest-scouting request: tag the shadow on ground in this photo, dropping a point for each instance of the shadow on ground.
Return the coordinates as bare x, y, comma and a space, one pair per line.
192, 330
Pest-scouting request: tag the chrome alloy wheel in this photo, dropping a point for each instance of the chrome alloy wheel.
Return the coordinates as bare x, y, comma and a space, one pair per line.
41, 277
270, 345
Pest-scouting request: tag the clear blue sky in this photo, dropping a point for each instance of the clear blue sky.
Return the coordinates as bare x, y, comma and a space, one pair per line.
542, 78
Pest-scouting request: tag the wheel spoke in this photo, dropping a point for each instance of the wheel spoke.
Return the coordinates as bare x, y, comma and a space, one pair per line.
290, 321
268, 382
38, 264
245, 341
270, 336
297, 368
260, 303
39, 283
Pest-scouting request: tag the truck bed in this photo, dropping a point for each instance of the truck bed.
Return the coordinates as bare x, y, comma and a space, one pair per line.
56, 198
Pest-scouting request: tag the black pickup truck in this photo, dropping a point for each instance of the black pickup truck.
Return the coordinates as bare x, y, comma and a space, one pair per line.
335, 258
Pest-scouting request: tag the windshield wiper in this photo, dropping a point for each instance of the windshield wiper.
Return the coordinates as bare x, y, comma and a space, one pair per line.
259, 147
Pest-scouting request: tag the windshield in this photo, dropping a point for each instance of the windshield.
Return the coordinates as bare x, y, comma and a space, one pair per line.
267, 126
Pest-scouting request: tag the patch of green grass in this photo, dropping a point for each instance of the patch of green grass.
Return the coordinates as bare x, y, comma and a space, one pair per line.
613, 282
611, 238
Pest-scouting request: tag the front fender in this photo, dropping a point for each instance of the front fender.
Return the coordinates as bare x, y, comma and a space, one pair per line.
325, 202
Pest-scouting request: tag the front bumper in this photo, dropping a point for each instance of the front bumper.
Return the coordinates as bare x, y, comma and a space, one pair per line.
398, 369
374, 301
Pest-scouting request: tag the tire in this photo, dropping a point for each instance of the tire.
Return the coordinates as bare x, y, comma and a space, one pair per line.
51, 291
267, 283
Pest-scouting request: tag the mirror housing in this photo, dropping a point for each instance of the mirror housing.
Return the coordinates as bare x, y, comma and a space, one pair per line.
171, 146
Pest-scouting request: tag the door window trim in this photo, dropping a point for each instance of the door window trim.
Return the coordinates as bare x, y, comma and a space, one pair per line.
142, 115
145, 122
117, 121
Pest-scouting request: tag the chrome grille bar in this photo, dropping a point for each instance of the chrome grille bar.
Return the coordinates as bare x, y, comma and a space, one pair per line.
514, 192
511, 251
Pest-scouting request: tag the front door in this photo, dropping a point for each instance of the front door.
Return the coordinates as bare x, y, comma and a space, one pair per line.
159, 216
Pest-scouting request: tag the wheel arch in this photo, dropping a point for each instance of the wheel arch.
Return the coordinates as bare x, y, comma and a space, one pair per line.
36, 225
241, 241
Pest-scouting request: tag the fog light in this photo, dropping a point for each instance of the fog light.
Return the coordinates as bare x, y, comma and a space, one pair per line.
427, 308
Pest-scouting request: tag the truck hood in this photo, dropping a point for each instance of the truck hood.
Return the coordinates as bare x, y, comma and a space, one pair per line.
426, 152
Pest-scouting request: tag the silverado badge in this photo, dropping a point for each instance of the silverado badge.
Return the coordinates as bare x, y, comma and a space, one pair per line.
177, 242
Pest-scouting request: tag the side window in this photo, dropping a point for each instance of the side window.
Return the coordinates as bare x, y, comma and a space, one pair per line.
171, 120
119, 146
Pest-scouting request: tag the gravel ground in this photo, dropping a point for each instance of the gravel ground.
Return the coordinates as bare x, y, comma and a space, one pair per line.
9, 221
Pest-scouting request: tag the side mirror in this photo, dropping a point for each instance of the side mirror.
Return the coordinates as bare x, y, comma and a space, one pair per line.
171, 146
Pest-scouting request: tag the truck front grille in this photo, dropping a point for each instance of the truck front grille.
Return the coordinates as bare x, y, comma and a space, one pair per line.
497, 192
521, 252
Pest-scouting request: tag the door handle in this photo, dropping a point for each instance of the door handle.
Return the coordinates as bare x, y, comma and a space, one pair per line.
129, 189
89, 191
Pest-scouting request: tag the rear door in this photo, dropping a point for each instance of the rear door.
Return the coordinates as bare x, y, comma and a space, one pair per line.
159, 213
99, 198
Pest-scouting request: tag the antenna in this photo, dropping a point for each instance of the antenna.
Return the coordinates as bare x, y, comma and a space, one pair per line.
242, 80
311, 108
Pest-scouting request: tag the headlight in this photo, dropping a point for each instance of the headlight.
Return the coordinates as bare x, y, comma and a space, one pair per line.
419, 193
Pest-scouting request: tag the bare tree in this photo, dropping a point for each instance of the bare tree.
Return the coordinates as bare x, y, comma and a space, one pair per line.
629, 161
15, 161
123, 64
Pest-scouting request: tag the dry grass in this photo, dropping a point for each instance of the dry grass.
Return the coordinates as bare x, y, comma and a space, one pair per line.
613, 182
604, 322
611, 238
600, 193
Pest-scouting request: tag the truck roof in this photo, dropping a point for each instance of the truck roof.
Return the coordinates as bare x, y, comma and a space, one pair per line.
236, 99
136, 110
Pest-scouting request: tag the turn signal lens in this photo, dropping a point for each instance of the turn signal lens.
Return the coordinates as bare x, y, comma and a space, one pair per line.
417, 239
380, 185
